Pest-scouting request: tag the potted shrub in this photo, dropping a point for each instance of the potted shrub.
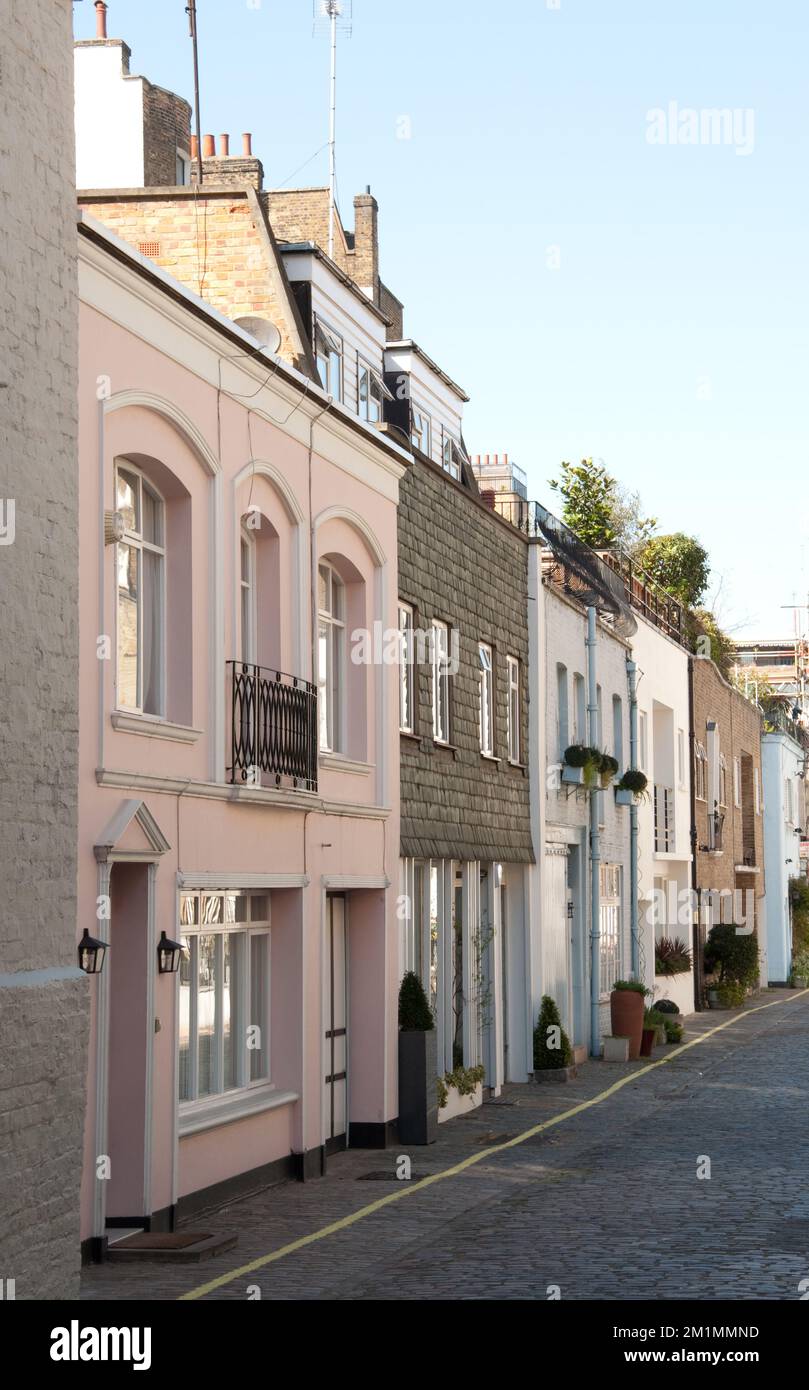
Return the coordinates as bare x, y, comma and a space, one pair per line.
652, 1018
633, 787
672, 956
608, 769
553, 1055
674, 1031
418, 1099
626, 1013
666, 1006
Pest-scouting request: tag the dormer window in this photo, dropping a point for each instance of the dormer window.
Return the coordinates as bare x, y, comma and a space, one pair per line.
452, 455
420, 432
329, 358
371, 392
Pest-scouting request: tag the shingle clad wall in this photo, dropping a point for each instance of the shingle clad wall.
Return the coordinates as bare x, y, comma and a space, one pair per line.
462, 564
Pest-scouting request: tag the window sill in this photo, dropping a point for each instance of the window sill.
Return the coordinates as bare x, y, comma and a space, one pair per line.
335, 762
143, 724
408, 733
442, 743
490, 758
197, 1116
518, 767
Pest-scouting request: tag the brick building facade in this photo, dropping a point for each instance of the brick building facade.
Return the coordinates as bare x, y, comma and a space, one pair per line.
727, 816
43, 995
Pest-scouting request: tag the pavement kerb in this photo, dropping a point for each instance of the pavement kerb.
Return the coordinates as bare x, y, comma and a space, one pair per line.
408, 1189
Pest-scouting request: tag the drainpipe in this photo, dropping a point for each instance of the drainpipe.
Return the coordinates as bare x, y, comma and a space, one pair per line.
595, 854
632, 676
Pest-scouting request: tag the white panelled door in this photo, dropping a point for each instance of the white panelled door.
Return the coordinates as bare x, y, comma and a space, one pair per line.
335, 1079
557, 925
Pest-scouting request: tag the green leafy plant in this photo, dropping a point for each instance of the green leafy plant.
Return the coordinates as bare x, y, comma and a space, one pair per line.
733, 954
415, 1014
652, 1018
578, 755
666, 1006
635, 985
679, 564
672, 956
547, 1058
635, 781
674, 1032
799, 903
608, 768
464, 1079
731, 995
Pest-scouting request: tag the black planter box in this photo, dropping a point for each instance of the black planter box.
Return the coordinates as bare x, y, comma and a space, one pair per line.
418, 1094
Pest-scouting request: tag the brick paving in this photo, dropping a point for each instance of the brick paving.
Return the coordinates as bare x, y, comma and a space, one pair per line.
606, 1205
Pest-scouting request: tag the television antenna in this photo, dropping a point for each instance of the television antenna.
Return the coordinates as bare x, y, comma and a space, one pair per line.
334, 16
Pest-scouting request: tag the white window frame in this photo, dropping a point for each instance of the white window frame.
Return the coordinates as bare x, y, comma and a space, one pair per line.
486, 698
514, 708
681, 762
579, 709
376, 394
643, 741
722, 796
700, 772
618, 731
332, 347
407, 669
451, 454
441, 680
134, 540
757, 790
246, 1086
737, 781
331, 681
562, 708
609, 966
421, 436
247, 596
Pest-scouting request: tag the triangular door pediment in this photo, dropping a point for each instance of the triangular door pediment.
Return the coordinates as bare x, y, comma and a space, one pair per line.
133, 833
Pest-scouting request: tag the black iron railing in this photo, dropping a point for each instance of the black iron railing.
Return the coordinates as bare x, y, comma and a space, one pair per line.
664, 819
273, 727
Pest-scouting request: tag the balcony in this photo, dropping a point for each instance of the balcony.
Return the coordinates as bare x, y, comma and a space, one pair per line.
664, 819
273, 733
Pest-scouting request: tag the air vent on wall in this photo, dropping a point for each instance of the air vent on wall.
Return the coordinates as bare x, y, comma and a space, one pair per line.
149, 248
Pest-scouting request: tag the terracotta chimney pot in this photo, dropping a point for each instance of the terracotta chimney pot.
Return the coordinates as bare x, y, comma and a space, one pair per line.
224, 146
247, 144
194, 147
208, 147
101, 19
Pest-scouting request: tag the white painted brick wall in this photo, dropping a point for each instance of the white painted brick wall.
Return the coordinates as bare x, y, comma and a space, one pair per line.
43, 999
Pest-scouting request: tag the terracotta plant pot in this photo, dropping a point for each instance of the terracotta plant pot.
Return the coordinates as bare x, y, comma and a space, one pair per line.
626, 1018
647, 1041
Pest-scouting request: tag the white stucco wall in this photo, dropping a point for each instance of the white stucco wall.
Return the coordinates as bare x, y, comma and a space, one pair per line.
108, 117
560, 813
662, 692
781, 760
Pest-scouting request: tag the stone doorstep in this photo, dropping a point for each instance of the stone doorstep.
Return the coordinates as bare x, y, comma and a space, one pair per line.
181, 1247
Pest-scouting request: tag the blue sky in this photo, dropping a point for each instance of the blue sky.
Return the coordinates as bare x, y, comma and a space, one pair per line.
672, 341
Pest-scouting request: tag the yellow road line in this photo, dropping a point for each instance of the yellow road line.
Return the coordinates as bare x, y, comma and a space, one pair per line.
407, 1189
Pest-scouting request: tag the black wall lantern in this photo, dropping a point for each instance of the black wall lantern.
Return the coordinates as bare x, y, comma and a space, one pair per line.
92, 954
168, 955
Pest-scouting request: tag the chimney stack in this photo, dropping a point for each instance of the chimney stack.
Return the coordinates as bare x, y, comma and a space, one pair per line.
101, 19
224, 146
247, 145
208, 147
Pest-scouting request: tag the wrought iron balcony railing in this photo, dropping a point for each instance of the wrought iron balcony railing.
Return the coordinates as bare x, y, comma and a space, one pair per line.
664, 819
273, 728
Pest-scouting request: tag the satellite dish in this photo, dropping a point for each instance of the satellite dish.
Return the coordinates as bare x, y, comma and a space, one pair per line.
263, 330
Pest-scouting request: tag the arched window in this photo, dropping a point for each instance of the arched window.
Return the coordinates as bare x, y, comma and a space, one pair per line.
331, 658
141, 593
248, 604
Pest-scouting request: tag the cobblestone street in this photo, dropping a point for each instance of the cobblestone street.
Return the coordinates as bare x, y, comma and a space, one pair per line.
606, 1204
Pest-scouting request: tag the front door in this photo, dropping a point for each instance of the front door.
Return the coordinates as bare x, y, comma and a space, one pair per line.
335, 1052
557, 981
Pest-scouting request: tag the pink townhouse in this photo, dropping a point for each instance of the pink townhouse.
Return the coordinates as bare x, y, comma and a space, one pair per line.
239, 760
